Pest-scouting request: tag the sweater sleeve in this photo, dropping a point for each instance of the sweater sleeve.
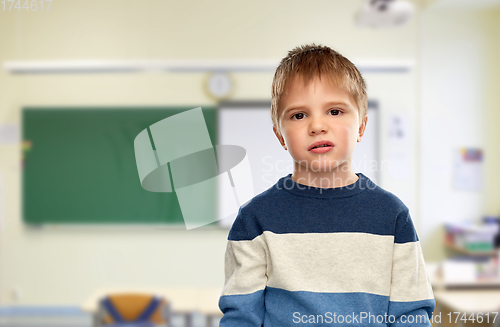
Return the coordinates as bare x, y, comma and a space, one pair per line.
242, 299
411, 301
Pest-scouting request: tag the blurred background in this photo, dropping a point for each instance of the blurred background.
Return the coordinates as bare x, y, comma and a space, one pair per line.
433, 75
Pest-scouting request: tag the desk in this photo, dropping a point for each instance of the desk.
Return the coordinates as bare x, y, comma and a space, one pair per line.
185, 301
468, 301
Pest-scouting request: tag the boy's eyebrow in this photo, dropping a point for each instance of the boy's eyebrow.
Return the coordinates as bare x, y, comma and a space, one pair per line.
331, 103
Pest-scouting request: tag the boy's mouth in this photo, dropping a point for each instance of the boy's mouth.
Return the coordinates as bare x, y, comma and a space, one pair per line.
320, 144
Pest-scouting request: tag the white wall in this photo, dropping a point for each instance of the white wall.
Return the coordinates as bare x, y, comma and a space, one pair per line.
460, 81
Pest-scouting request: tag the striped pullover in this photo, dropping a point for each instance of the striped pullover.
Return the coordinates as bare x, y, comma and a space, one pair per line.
299, 255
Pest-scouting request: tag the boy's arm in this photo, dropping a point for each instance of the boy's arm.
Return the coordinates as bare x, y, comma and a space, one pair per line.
411, 301
242, 300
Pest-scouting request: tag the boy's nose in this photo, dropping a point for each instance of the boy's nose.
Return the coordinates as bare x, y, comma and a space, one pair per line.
317, 126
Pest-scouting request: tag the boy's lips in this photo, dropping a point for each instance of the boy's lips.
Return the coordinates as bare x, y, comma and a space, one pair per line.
323, 145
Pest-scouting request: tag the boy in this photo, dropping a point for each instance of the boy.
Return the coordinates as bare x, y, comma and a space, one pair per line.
323, 246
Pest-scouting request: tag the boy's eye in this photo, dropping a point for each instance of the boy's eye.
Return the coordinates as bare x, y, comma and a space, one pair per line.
300, 115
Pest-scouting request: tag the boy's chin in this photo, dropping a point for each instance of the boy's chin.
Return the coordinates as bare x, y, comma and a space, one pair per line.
321, 166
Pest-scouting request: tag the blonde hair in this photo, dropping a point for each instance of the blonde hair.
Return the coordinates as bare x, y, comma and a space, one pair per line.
311, 60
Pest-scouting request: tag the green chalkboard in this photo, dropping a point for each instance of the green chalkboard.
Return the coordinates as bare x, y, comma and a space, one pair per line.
79, 166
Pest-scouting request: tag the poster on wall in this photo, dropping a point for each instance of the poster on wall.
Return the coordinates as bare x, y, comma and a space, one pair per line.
399, 146
468, 169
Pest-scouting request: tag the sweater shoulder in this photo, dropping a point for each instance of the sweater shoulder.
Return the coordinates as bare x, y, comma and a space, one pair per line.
389, 200
261, 200
247, 224
404, 229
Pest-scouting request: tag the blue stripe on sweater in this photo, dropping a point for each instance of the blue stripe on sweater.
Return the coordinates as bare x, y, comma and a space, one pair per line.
242, 310
297, 308
319, 309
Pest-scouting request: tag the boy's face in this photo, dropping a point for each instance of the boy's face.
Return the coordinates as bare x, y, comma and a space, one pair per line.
319, 112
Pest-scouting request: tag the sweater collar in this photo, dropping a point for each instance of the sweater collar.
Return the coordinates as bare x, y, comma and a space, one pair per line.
288, 184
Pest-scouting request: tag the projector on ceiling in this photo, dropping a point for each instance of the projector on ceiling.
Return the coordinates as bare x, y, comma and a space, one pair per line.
384, 13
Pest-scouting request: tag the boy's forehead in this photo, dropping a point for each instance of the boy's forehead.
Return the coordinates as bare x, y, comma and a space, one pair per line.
300, 81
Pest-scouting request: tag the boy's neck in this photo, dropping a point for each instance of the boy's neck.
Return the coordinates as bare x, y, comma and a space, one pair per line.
324, 179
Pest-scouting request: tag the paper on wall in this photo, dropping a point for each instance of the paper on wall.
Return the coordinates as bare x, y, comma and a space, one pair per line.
399, 144
9, 133
468, 172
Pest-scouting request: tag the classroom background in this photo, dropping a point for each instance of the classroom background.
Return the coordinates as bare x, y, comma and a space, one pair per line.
433, 75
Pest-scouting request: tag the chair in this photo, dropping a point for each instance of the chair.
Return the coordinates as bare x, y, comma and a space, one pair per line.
133, 310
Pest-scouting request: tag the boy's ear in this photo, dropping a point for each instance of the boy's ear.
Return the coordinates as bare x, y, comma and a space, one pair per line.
362, 128
280, 138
